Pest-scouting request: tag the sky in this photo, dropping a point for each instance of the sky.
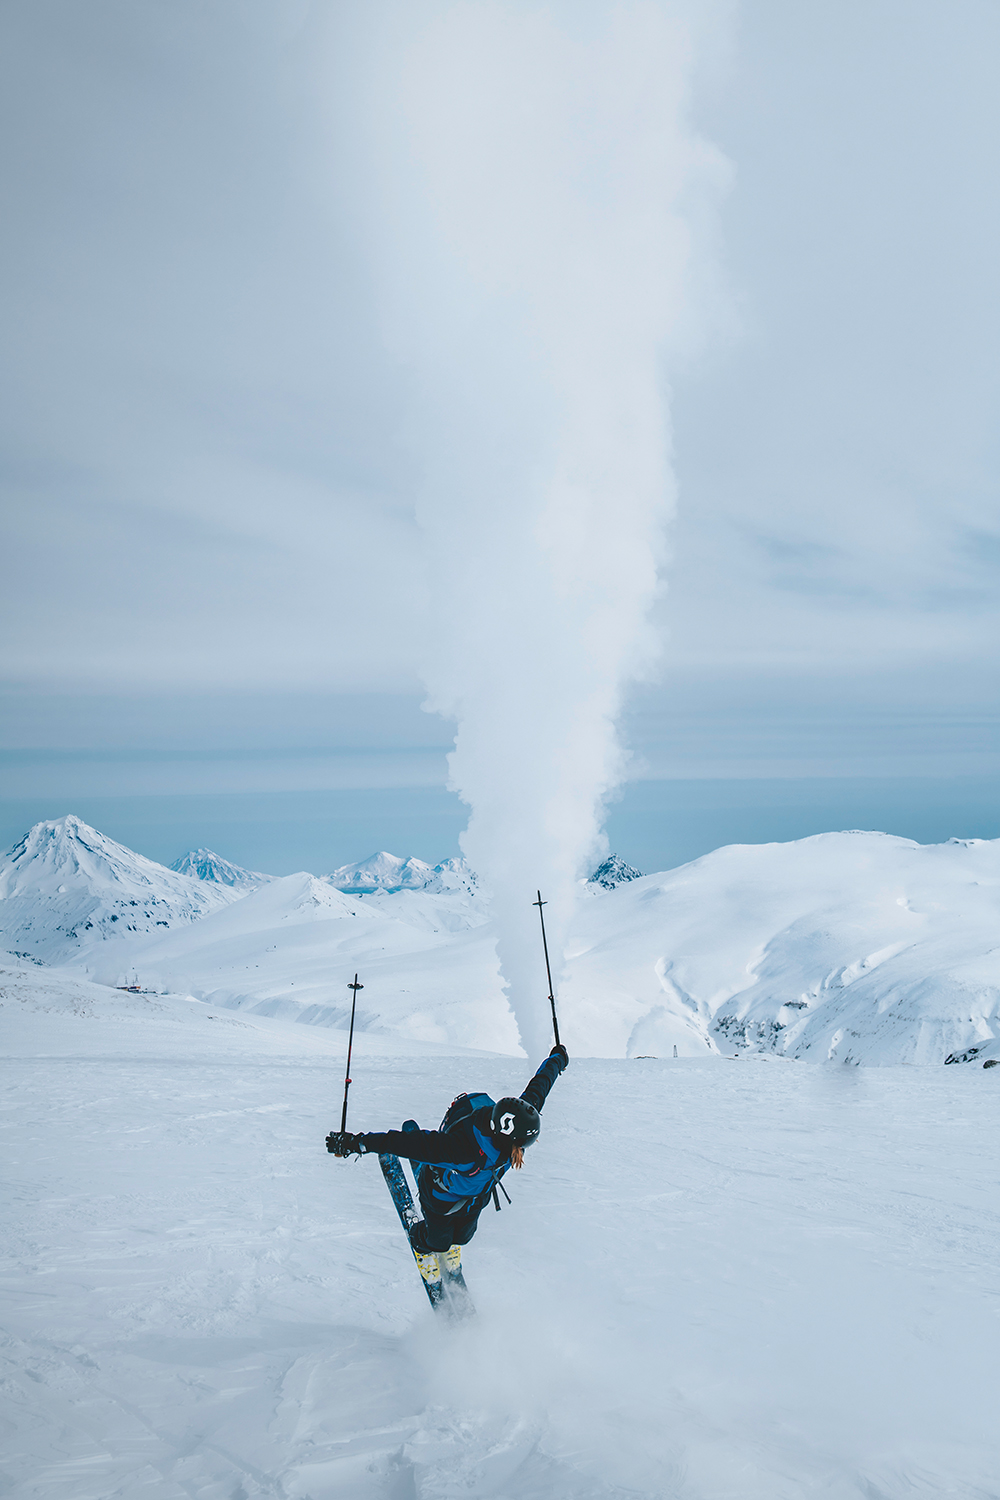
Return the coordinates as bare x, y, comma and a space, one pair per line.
228, 386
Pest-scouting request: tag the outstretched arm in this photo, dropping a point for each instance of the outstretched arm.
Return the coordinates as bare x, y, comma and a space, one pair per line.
538, 1089
415, 1145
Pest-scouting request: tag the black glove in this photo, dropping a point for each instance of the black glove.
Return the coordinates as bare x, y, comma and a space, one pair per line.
563, 1056
343, 1143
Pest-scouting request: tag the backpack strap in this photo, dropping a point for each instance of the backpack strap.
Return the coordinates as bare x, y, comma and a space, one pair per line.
493, 1194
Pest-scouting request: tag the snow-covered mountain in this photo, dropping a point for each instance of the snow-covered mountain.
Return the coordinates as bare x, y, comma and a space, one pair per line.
848, 947
614, 871
388, 872
205, 864
66, 889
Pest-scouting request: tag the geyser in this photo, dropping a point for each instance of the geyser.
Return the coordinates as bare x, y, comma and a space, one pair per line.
540, 196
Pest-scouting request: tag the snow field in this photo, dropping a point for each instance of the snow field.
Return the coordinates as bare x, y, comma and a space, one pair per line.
718, 1278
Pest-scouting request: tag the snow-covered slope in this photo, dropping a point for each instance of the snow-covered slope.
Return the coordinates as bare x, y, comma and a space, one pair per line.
51, 1011
288, 949
717, 1280
205, 864
66, 889
853, 947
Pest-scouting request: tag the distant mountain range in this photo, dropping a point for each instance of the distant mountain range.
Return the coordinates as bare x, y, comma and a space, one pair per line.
379, 872
845, 947
387, 872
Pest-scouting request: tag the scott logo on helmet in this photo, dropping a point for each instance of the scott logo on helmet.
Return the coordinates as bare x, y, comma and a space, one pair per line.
507, 1125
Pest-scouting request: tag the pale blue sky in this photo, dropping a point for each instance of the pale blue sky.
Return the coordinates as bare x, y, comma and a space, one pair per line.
209, 587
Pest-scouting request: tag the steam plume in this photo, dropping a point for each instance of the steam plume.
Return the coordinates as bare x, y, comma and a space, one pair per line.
540, 186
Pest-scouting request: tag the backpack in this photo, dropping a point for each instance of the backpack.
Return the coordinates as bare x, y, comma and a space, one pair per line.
461, 1108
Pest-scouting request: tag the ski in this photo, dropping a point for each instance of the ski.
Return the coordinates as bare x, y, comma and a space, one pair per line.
427, 1265
441, 1275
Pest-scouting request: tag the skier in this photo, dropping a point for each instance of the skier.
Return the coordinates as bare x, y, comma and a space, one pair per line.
459, 1166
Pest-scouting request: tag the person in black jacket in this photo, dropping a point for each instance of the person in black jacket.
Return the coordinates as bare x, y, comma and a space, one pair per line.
458, 1167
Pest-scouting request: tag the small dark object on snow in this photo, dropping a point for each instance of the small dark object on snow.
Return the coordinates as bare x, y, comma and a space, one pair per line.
966, 1056
992, 1062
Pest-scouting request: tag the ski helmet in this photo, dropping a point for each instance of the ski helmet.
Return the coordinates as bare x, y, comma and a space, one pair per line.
515, 1122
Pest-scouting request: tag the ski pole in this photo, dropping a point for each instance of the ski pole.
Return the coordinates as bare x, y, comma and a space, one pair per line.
552, 999
350, 1043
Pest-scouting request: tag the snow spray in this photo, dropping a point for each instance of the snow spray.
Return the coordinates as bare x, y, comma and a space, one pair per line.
539, 203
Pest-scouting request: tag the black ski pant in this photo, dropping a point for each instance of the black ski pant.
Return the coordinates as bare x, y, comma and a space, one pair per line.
440, 1231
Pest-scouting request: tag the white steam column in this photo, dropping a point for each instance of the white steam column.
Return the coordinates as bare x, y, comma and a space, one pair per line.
537, 190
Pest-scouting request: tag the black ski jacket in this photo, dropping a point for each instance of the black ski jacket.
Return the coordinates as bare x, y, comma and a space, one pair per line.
466, 1160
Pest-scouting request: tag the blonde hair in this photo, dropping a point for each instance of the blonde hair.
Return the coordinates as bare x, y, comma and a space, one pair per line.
517, 1157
